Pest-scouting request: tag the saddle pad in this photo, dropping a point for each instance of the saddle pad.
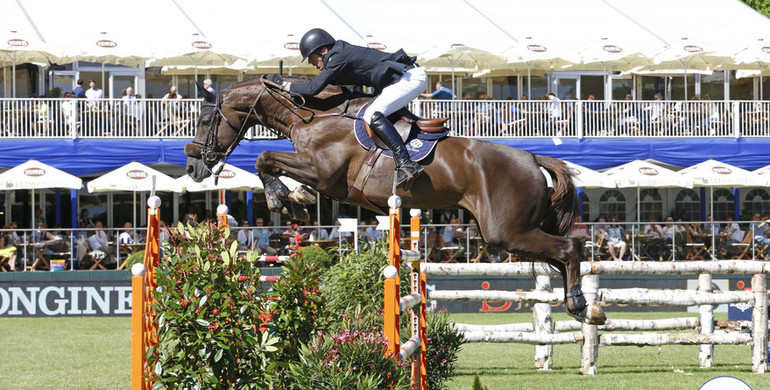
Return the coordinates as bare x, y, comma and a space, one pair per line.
419, 144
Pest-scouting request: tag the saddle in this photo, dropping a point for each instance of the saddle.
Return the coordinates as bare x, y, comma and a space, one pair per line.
404, 120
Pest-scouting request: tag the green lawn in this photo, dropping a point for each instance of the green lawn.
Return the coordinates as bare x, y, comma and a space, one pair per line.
93, 353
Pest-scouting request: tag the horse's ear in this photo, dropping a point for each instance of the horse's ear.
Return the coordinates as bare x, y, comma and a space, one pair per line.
207, 96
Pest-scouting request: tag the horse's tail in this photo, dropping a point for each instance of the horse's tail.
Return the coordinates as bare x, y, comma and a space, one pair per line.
563, 199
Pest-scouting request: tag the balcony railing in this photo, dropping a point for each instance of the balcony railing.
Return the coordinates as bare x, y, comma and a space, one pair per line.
154, 118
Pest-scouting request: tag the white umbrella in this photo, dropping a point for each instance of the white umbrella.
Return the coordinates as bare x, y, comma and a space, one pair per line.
535, 55
588, 178
755, 56
712, 173
690, 56
231, 178
133, 177
640, 173
17, 48
764, 175
33, 175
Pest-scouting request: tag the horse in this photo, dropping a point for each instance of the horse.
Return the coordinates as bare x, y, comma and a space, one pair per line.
502, 187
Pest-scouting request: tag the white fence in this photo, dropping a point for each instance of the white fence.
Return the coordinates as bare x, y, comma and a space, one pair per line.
542, 332
154, 118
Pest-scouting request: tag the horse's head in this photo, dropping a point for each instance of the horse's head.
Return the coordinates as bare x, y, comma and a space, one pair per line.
219, 128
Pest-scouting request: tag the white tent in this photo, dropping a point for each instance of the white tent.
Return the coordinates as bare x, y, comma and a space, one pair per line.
712, 173
763, 174
231, 178
33, 175
640, 173
133, 177
588, 178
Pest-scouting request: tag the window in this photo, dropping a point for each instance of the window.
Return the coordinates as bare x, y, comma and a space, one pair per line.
651, 203
612, 203
756, 201
713, 85
724, 204
621, 87
652, 85
586, 207
687, 205
741, 89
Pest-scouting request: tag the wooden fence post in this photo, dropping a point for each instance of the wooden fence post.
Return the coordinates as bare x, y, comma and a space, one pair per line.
543, 324
590, 332
706, 317
759, 319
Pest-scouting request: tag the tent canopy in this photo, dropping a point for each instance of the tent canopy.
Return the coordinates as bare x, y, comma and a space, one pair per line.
713, 173
34, 174
231, 178
133, 176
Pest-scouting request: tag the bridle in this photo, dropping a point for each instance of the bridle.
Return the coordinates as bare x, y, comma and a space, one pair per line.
209, 153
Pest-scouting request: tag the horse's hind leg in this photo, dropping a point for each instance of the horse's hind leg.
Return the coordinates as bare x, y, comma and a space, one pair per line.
565, 254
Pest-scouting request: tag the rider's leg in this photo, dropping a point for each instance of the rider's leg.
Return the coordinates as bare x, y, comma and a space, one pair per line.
393, 98
408, 170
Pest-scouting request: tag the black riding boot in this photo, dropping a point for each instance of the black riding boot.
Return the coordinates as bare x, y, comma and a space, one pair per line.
408, 170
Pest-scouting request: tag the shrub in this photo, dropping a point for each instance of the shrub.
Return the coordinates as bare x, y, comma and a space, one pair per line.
444, 343
348, 359
208, 323
136, 257
298, 310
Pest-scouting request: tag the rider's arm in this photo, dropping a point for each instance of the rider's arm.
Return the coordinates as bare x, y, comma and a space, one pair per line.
326, 77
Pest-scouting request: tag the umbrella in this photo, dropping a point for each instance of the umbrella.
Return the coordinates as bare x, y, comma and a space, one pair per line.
690, 56
33, 175
459, 56
20, 48
133, 177
231, 178
588, 178
533, 55
194, 51
756, 56
763, 175
640, 173
712, 173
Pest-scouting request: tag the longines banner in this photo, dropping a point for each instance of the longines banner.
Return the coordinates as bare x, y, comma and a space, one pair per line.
96, 298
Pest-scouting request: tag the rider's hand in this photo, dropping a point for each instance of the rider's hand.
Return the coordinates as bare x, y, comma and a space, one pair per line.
274, 78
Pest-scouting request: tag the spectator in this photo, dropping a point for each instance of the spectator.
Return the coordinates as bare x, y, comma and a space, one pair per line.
99, 241
580, 230
93, 95
262, 239
245, 237
191, 218
657, 235
553, 110
7, 248
319, 233
616, 239
171, 101
79, 92
127, 236
441, 92
207, 85
85, 221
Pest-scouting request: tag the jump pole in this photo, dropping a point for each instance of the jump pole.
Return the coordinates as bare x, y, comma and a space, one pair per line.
144, 330
394, 303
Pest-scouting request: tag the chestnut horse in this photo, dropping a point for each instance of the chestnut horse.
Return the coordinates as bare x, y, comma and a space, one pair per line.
503, 187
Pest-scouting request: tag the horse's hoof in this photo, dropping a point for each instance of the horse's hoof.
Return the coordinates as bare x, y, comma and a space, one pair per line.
592, 314
304, 195
275, 205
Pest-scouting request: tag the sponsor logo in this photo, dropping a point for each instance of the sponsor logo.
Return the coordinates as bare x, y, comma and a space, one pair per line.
34, 172
226, 174
106, 43
612, 49
456, 45
201, 45
291, 45
17, 42
376, 45
136, 174
693, 49
648, 171
537, 48
722, 170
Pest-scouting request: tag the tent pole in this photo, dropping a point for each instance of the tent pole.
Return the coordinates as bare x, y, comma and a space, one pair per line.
529, 81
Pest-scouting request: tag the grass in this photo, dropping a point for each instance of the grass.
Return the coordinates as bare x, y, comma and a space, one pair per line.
65, 353
93, 353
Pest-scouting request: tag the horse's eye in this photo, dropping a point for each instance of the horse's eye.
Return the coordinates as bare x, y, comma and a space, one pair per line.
206, 119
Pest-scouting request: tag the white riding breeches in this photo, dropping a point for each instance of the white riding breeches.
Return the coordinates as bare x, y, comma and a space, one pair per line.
397, 95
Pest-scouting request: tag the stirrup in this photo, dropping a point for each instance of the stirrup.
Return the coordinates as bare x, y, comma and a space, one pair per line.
406, 178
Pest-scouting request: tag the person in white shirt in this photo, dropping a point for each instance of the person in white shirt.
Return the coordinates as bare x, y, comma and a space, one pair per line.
127, 236
245, 238
93, 95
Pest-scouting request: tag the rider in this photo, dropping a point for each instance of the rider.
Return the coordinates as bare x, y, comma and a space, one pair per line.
395, 77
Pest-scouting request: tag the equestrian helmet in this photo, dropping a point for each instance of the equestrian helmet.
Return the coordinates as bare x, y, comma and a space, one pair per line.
313, 40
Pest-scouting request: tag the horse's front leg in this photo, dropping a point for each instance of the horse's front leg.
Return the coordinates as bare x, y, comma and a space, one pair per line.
270, 165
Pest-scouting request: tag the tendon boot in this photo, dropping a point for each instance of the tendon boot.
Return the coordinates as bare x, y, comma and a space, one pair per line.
407, 170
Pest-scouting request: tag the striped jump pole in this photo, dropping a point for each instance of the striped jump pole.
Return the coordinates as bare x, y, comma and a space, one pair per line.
395, 304
144, 330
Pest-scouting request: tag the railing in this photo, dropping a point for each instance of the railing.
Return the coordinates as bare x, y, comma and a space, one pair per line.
155, 118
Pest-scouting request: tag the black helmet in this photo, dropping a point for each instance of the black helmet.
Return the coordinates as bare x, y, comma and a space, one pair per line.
313, 40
